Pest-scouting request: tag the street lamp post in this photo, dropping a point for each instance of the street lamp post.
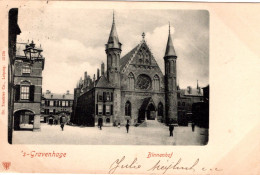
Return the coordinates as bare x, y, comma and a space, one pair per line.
31, 52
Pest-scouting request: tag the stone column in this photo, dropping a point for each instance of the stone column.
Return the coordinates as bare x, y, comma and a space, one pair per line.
37, 123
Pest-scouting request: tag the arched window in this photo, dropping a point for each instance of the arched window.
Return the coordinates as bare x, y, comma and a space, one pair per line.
128, 108
156, 83
108, 120
160, 109
131, 81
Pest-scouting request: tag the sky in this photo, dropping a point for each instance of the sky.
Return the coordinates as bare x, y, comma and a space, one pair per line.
73, 41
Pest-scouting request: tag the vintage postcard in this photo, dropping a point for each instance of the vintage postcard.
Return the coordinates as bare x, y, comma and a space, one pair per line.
129, 87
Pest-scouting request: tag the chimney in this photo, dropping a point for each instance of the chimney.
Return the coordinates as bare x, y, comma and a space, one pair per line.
98, 76
199, 90
85, 75
102, 68
68, 92
189, 89
89, 81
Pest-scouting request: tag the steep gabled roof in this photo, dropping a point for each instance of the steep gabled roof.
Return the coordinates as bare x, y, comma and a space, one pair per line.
125, 59
103, 82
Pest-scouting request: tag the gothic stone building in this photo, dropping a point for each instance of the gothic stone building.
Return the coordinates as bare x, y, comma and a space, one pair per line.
132, 88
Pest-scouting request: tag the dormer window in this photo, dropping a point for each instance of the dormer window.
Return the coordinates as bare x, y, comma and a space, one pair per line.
26, 69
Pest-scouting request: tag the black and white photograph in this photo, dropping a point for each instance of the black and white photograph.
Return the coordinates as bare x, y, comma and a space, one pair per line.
108, 77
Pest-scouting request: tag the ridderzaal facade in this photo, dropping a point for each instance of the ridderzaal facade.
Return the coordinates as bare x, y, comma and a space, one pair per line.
132, 88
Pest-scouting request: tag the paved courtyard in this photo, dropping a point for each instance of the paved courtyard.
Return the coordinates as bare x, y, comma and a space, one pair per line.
153, 134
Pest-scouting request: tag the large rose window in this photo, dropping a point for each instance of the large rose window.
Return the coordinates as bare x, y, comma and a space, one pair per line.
143, 82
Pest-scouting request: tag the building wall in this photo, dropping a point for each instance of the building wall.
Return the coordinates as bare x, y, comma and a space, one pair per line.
13, 31
185, 103
108, 98
136, 99
85, 109
34, 78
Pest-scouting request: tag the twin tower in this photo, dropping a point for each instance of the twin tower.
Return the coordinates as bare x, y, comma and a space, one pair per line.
113, 51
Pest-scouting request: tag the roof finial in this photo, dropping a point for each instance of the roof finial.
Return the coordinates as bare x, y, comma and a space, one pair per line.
197, 84
113, 17
143, 35
169, 28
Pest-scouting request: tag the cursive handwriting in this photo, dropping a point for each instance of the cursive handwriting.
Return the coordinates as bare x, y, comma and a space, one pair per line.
173, 166
119, 164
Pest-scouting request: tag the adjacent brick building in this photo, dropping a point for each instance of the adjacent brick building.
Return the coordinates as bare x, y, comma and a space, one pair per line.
54, 105
132, 88
27, 86
187, 97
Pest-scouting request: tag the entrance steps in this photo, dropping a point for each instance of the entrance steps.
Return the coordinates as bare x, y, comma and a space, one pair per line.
151, 124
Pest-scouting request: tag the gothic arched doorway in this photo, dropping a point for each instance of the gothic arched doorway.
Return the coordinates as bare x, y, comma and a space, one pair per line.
22, 119
151, 113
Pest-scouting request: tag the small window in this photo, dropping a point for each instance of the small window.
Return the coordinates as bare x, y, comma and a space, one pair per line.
100, 98
108, 120
63, 103
100, 110
26, 70
107, 109
51, 103
108, 96
183, 103
25, 90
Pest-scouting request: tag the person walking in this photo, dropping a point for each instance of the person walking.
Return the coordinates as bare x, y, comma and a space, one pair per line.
127, 126
193, 126
171, 128
62, 122
100, 123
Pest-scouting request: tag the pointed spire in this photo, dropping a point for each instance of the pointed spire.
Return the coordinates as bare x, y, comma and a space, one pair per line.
197, 84
169, 48
113, 41
113, 17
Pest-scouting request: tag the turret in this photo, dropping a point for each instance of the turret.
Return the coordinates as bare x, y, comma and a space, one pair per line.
170, 81
102, 68
113, 51
98, 74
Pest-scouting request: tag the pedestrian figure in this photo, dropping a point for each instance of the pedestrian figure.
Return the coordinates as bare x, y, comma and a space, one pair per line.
100, 123
62, 122
127, 126
118, 125
171, 128
193, 127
